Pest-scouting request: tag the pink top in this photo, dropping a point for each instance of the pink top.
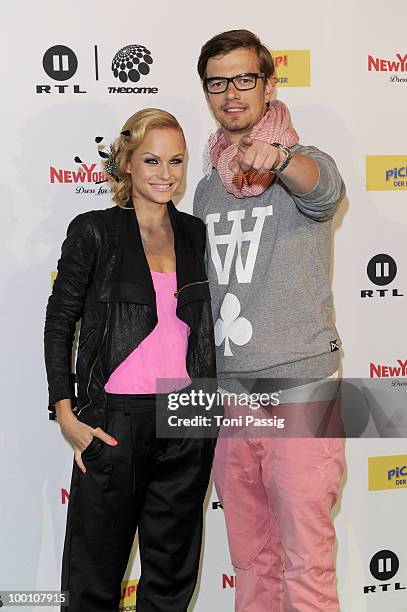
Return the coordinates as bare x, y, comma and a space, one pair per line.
162, 354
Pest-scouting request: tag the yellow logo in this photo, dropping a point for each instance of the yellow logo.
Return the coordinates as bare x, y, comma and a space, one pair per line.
292, 68
388, 472
53, 276
386, 172
128, 597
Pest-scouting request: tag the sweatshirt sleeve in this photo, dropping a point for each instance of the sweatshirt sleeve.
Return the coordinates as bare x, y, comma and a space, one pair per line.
197, 205
321, 203
197, 211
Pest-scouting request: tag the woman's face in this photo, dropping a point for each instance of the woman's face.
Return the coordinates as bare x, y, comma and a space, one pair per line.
157, 165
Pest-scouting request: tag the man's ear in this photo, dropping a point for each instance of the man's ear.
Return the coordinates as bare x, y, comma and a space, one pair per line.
268, 88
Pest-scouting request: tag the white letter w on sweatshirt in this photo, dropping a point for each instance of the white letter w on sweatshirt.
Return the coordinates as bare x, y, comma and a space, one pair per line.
234, 240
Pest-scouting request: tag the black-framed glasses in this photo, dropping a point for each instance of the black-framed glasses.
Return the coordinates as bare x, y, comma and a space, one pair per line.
242, 82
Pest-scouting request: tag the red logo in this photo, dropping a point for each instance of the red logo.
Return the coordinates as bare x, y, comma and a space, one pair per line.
386, 65
84, 174
228, 581
388, 371
64, 496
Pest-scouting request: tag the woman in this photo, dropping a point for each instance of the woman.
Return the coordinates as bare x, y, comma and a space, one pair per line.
135, 275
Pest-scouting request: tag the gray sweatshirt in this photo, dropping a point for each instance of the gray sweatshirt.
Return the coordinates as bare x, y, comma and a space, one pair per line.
268, 261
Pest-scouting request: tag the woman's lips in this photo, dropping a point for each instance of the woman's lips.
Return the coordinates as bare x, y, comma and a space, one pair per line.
161, 187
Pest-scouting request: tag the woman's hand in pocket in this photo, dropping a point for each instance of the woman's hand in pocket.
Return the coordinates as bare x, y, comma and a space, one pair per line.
80, 435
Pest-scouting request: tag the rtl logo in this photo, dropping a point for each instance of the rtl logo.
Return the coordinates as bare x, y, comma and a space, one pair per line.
381, 271
384, 565
60, 64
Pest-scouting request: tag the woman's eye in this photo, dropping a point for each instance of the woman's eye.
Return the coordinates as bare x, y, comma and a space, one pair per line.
150, 161
176, 161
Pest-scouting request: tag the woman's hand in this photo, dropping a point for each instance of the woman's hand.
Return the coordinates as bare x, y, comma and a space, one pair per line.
79, 434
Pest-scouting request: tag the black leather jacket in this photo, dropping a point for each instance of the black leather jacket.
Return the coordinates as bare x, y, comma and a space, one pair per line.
104, 280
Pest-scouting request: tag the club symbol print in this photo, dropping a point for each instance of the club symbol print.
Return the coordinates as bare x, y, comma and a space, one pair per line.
230, 326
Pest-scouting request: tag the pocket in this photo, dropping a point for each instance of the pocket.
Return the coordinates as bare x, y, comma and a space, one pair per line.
94, 449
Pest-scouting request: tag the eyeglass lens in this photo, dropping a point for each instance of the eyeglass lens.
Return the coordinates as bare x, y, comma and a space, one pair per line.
241, 82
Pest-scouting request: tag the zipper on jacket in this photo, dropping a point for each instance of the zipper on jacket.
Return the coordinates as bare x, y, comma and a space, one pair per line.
88, 335
176, 294
95, 360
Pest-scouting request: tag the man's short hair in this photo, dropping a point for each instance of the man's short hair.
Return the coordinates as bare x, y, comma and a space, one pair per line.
223, 43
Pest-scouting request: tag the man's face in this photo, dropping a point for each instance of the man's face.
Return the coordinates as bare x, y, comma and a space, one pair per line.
238, 111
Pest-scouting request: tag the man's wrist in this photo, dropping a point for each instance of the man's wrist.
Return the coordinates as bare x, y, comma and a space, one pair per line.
286, 154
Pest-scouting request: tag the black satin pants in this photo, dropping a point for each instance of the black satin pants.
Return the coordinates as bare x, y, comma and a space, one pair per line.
154, 485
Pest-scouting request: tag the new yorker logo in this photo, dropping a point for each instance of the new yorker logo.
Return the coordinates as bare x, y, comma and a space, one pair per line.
378, 370
88, 177
384, 565
228, 581
396, 64
381, 271
83, 174
60, 63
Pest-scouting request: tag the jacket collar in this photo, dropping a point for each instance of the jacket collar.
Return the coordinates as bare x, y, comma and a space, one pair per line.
130, 278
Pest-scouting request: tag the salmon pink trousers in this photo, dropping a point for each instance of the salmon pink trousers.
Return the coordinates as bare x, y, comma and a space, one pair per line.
278, 494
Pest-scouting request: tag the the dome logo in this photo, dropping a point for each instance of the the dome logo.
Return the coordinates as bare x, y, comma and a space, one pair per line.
131, 63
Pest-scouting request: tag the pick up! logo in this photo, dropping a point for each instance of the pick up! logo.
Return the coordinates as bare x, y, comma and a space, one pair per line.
293, 67
128, 595
386, 172
388, 472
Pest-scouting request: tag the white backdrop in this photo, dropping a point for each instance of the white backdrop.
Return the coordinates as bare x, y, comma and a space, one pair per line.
347, 110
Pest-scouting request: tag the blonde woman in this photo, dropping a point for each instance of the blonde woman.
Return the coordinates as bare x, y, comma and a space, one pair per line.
135, 276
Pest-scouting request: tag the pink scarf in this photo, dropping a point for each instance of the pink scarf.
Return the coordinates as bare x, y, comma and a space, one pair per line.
274, 126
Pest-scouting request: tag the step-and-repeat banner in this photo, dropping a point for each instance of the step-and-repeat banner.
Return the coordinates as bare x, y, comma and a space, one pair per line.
342, 71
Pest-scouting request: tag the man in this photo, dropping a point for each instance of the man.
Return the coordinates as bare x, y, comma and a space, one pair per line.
268, 204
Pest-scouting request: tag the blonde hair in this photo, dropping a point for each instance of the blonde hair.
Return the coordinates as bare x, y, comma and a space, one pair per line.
131, 136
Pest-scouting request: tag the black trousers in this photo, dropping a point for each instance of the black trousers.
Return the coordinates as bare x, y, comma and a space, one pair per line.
155, 485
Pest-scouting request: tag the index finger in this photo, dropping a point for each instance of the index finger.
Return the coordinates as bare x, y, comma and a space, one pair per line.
105, 437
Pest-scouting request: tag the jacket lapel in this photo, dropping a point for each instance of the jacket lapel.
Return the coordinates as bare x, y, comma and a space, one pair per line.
128, 277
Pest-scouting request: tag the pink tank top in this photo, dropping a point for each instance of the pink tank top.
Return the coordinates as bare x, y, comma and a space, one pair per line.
162, 354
